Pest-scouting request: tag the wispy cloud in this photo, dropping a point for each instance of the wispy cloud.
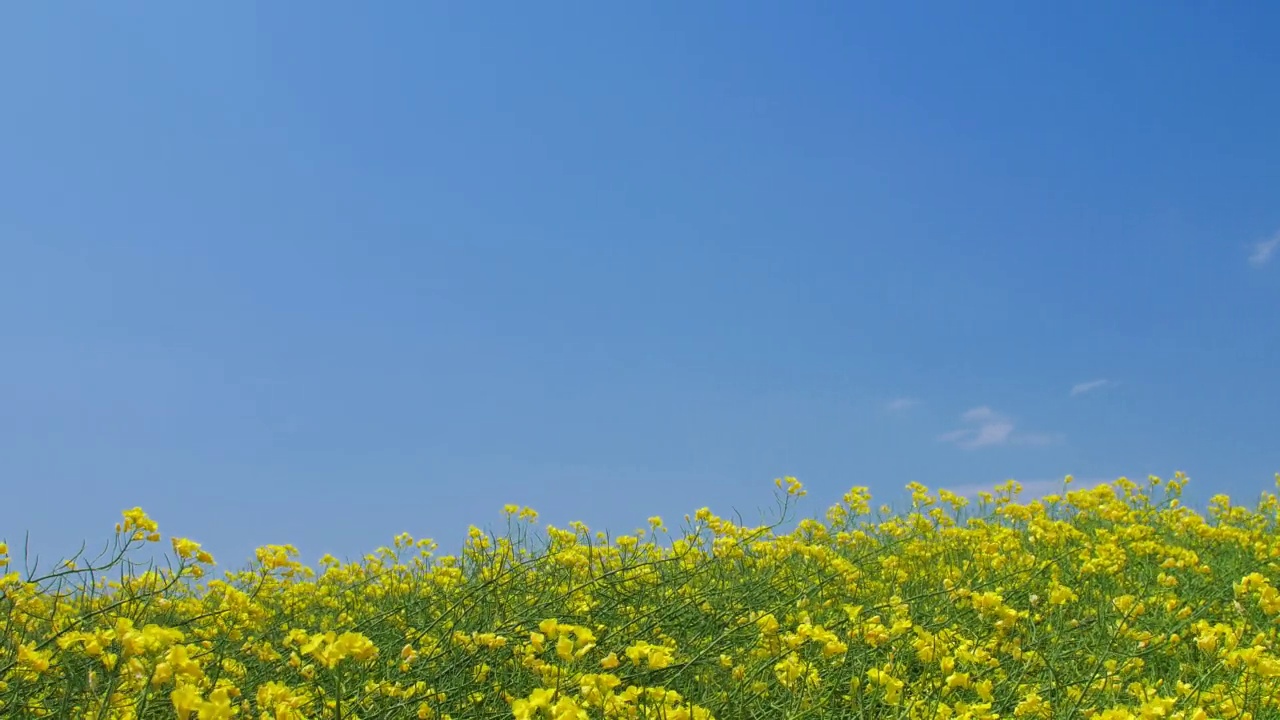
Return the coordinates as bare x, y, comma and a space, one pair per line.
1031, 489
1262, 251
988, 428
1084, 387
901, 405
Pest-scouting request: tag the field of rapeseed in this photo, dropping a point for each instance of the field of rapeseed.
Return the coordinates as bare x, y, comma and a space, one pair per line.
1116, 602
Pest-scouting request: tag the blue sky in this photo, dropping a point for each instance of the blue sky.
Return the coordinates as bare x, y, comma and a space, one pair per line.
322, 273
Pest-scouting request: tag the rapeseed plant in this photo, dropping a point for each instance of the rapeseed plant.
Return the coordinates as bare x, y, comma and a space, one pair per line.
1112, 603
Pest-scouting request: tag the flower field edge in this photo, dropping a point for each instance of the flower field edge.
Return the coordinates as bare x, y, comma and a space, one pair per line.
1116, 602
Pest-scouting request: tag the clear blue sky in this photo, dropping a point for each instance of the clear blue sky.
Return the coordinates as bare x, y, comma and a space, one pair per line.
321, 273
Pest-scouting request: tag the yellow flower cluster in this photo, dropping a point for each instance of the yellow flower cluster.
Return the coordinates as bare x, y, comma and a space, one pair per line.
1111, 603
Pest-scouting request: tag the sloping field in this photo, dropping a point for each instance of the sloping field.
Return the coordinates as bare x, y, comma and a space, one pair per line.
1113, 602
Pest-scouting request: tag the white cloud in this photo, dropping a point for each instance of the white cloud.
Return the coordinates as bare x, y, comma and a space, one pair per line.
1262, 251
1084, 387
1031, 489
901, 405
988, 428
980, 414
